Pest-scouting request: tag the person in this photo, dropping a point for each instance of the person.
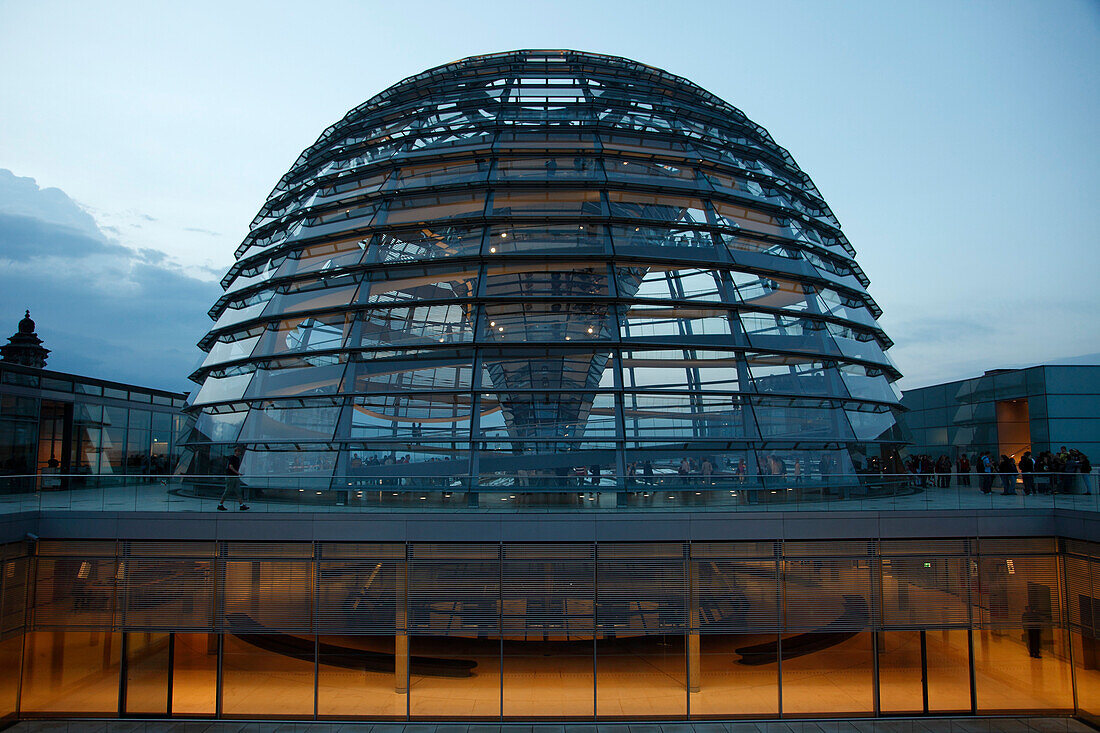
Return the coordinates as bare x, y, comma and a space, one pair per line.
964, 470
985, 473
1027, 469
707, 471
1086, 472
1033, 624
233, 480
1007, 469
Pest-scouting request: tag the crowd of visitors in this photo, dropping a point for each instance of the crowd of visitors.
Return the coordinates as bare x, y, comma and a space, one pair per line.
1065, 472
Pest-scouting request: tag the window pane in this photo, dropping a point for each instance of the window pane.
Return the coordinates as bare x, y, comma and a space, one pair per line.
544, 238
738, 676
355, 678
543, 168
542, 321
194, 674
410, 245
147, 673
575, 280
453, 678
827, 674
1008, 678
666, 283
447, 323
548, 678
433, 208
410, 285
267, 675
71, 673
641, 676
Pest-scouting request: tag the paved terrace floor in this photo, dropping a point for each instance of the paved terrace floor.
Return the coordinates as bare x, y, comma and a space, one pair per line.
920, 725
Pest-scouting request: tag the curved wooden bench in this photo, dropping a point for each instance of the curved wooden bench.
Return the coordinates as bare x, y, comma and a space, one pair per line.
247, 630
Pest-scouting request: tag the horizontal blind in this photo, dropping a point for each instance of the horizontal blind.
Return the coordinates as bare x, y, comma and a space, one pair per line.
927, 548
827, 548
361, 550
269, 549
734, 549
166, 593
13, 610
736, 596
160, 548
1007, 546
640, 596
925, 591
548, 598
357, 596
454, 597
828, 594
1008, 585
267, 595
75, 592
77, 548
1082, 548
1081, 606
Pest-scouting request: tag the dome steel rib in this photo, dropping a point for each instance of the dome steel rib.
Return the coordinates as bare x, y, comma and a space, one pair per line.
525, 267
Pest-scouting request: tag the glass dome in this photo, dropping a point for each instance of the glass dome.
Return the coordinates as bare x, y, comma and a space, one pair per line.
537, 265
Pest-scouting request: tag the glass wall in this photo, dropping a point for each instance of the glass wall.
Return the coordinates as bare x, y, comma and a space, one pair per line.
52, 423
569, 631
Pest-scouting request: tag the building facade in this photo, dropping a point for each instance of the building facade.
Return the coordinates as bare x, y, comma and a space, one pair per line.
1007, 411
58, 430
531, 266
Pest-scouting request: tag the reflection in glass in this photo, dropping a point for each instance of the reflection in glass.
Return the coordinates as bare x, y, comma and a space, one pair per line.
267, 677
194, 674
71, 673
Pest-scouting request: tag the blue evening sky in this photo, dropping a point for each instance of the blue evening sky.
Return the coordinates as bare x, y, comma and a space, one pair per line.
955, 141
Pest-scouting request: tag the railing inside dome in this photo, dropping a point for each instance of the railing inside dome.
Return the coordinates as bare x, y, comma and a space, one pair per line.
575, 490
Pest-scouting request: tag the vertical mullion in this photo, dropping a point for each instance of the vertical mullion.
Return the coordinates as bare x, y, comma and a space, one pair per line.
595, 620
924, 668
123, 668
316, 566
171, 671
780, 577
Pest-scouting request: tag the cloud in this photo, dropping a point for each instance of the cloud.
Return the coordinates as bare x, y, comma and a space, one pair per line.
103, 309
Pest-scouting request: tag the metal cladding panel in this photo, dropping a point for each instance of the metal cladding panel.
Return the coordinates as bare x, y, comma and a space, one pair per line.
736, 596
1080, 606
75, 592
1008, 586
166, 593
828, 594
454, 598
641, 596
267, 595
358, 596
925, 591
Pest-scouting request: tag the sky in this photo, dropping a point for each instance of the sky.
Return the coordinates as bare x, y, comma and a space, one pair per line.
955, 142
